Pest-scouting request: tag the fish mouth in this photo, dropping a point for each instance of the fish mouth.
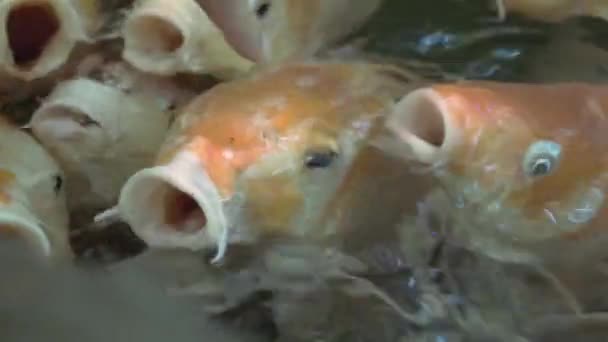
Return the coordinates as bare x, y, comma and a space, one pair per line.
158, 36
16, 227
422, 121
154, 34
38, 36
175, 205
30, 28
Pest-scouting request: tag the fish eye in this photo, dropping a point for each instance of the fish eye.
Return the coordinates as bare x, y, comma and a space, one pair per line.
262, 9
86, 121
542, 158
58, 184
319, 159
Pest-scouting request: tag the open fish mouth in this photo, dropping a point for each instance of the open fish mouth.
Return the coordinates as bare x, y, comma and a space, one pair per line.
175, 205
30, 27
422, 121
38, 36
17, 227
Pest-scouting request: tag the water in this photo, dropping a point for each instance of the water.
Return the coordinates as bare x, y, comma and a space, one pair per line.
445, 293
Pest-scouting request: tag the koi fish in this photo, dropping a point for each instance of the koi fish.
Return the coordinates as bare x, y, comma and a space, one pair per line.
269, 31
260, 156
530, 157
523, 165
32, 195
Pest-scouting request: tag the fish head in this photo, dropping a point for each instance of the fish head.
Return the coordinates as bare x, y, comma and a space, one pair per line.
95, 132
271, 31
32, 194
18, 220
269, 149
529, 160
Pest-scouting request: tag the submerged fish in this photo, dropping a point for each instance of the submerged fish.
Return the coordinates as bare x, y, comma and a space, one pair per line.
524, 164
32, 195
554, 10
260, 155
276, 30
100, 135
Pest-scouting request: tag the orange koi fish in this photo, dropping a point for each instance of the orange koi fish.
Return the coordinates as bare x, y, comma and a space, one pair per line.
258, 156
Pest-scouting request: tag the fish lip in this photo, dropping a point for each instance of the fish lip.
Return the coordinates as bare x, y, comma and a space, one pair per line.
184, 173
425, 106
30, 230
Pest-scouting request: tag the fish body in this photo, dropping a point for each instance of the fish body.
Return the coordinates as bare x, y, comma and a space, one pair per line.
258, 156
271, 31
32, 195
524, 165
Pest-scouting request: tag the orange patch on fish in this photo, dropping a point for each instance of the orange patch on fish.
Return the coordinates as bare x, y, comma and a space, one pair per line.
8, 230
6, 179
4, 198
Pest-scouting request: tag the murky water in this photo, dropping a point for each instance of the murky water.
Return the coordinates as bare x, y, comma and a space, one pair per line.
467, 40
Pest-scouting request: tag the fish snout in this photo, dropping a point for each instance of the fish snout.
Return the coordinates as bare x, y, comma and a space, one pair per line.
166, 38
175, 205
425, 124
18, 223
